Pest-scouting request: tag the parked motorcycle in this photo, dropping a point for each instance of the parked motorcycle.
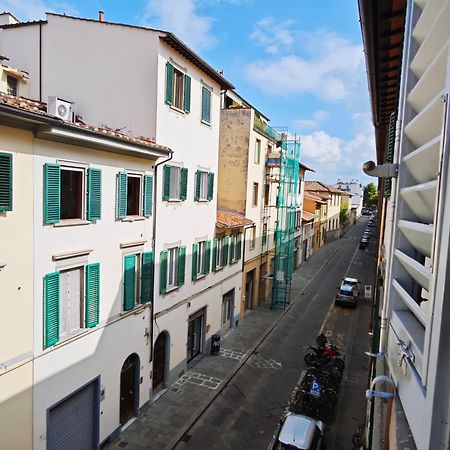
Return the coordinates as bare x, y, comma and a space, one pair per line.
317, 358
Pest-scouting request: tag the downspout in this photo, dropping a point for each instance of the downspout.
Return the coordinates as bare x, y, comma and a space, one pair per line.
40, 62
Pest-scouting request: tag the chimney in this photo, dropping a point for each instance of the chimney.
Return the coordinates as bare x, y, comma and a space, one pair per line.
101, 15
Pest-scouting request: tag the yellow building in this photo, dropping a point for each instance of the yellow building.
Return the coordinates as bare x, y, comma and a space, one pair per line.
314, 204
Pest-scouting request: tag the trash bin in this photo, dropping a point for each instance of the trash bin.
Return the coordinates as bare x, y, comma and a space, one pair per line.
215, 344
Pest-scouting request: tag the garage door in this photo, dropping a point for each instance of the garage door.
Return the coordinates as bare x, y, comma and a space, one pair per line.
73, 423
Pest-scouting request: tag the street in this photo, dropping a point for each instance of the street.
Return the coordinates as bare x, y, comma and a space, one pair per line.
245, 414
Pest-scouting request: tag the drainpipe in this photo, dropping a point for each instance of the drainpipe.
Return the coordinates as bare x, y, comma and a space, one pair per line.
40, 62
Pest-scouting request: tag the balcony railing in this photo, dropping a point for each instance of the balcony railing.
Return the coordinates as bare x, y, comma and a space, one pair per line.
266, 130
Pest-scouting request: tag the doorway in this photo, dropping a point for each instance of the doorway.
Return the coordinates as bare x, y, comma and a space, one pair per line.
228, 309
195, 335
249, 284
159, 363
129, 389
262, 283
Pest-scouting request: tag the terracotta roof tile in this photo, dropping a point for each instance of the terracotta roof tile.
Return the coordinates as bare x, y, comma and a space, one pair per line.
231, 219
318, 186
307, 216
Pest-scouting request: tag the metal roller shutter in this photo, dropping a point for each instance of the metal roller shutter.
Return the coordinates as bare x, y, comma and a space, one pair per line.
73, 423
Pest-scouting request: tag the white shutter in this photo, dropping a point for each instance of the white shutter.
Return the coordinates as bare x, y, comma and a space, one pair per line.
70, 298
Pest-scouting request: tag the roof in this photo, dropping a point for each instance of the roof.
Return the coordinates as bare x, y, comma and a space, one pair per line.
166, 36
318, 186
307, 216
40, 109
231, 219
382, 27
316, 198
306, 167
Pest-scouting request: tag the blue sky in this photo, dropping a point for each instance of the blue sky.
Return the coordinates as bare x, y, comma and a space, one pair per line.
301, 63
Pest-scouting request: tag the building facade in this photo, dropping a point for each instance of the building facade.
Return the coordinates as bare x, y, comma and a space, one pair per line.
356, 190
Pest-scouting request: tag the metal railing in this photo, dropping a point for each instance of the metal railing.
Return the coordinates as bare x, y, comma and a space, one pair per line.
266, 130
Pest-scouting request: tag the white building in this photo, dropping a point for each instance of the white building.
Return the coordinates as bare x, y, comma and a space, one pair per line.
150, 83
407, 49
356, 189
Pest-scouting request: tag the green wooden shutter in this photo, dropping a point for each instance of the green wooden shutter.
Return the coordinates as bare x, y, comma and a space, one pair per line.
187, 94
232, 246
207, 257
94, 206
166, 183
148, 195
129, 282
147, 277
169, 83
198, 177
163, 271
225, 251
52, 193
51, 293
194, 261
239, 247
6, 182
390, 151
214, 254
181, 265
92, 295
210, 186
206, 105
183, 184
122, 192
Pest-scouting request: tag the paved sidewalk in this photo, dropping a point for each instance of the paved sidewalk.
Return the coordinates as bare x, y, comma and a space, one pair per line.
160, 423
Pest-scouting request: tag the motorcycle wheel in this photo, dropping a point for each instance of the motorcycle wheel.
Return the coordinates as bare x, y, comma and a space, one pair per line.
310, 359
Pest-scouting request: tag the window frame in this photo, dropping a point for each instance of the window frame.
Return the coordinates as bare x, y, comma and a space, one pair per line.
203, 120
140, 178
172, 251
219, 257
258, 151
172, 184
9, 88
82, 314
75, 168
203, 185
252, 241
255, 194
177, 76
201, 259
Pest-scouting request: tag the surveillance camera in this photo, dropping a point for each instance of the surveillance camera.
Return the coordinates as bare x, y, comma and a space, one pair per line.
388, 170
368, 166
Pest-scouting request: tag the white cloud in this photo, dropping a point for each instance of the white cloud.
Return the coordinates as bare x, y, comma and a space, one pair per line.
181, 19
26, 10
320, 63
316, 119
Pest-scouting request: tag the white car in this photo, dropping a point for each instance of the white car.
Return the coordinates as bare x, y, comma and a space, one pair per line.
353, 282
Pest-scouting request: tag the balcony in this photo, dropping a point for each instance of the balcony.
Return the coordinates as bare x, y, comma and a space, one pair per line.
267, 131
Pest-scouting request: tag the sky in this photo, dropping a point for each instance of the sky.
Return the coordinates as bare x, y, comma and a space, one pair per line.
301, 63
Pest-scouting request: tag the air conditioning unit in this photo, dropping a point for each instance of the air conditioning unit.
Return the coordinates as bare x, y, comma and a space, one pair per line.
60, 108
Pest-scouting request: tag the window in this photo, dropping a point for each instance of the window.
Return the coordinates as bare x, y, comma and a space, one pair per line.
204, 186
172, 268
257, 151
224, 251
235, 247
138, 269
178, 89
174, 183
134, 195
11, 85
5, 182
206, 105
264, 234
71, 302
255, 194
266, 194
201, 259
253, 238
66, 191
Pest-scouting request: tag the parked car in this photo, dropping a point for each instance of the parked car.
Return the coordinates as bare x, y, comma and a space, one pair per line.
365, 212
353, 282
298, 431
348, 292
364, 243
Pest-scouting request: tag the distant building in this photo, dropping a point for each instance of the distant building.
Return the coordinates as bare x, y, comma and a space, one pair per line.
356, 189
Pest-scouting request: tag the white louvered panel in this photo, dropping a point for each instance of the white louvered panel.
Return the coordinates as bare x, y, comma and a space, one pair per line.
423, 163
419, 235
420, 274
421, 3
421, 199
433, 42
427, 17
410, 303
427, 124
431, 82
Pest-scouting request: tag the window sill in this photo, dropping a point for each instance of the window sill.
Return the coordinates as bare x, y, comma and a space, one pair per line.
174, 200
136, 310
200, 277
71, 223
234, 262
178, 110
133, 218
203, 200
218, 269
171, 289
204, 122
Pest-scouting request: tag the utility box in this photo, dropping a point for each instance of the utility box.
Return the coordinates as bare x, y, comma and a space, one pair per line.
215, 344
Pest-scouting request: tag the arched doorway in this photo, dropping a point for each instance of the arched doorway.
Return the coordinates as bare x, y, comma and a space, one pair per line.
159, 363
129, 389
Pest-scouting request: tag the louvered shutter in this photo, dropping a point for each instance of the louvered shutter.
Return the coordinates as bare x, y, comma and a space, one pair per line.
51, 322
92, 295
94, 207
52, 193
163, 272
148, 195
5, 182
181, 265
183, 184
169, 83
390, 151
129, 282
232, 246
210, 186
197, 185
214, 254
187, 94
147, 277
122, 192
225, 251
206, 105
207, 257
239, 247
194, 261
166, 183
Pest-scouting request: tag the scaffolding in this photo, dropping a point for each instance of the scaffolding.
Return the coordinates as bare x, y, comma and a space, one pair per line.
285, 224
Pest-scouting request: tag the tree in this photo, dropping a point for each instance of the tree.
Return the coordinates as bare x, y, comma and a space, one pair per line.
370, 198
344, 215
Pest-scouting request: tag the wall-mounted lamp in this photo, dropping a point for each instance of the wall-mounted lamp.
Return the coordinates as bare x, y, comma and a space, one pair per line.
388, 170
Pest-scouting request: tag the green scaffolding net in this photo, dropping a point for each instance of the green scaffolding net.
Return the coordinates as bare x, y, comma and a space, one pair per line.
287, 200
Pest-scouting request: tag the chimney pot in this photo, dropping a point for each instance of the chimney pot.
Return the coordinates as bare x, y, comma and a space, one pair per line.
101, 15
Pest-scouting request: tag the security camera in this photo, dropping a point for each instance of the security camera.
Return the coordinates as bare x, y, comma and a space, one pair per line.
388, 170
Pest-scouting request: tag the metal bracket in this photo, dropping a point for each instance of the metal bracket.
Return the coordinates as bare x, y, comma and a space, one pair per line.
406, 352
